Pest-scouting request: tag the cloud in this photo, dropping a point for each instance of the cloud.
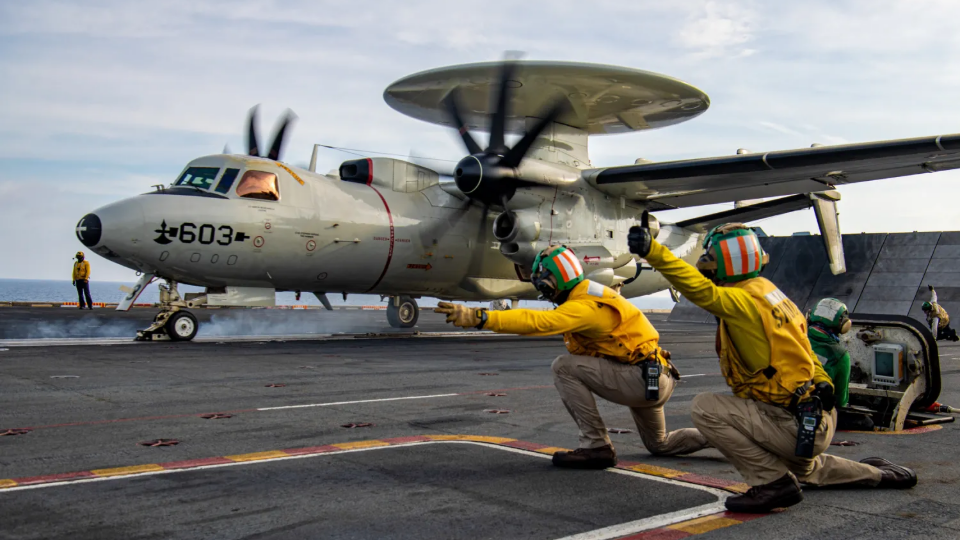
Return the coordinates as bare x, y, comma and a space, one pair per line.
716, 28
102, 98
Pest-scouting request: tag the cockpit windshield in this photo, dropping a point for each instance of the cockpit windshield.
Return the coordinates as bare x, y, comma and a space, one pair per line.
199, 177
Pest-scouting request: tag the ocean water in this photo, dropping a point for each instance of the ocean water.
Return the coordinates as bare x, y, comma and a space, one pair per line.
39, 290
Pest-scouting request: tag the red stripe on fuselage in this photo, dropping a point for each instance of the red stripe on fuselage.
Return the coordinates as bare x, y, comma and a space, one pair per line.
390, 251
370, 174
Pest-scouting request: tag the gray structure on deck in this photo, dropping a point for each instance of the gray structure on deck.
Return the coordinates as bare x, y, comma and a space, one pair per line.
886, 273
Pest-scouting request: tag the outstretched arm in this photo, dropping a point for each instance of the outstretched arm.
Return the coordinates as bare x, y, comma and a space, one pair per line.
730, 304
567, 317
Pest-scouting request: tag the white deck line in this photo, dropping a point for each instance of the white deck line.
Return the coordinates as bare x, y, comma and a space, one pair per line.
331, 404
605, 533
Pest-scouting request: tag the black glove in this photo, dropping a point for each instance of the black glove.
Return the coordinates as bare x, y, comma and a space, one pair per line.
930, 287
824, 391
640, 240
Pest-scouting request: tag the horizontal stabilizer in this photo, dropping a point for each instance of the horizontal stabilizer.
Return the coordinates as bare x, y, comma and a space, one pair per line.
746, 214
824, 204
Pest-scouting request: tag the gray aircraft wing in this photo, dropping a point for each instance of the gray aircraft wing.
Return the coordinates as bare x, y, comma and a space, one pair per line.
695, 182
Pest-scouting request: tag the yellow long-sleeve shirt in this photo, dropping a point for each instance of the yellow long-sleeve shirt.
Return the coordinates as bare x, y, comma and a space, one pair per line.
735, 306
81, 271
579, 316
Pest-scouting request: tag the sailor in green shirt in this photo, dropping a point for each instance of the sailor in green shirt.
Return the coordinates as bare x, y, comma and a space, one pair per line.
825, 323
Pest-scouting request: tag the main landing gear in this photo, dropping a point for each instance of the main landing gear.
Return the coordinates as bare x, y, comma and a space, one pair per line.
402, 312
174, 322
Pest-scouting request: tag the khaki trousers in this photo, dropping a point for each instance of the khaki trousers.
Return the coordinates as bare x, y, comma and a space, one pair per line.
760, 440
578, 378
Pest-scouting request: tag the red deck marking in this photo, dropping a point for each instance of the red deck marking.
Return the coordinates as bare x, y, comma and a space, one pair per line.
190, 463
47, 478
709, 481
741, 517
309, 450
392, 233
658, 534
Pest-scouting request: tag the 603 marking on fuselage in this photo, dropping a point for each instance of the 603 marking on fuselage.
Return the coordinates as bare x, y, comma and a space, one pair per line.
205, 234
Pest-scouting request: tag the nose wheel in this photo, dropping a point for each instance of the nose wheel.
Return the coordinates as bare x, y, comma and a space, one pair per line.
182, 326
173, 323
402, 312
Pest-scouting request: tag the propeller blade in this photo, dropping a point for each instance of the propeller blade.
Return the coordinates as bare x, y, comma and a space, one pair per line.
498, 117
452, 103
253, 148
479, 248
519, 150
277, 145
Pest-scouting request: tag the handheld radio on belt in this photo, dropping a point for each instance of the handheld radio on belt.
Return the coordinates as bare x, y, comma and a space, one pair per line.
652, 372
809, 416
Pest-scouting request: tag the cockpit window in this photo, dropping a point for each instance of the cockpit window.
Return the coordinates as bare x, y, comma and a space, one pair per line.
259, 185
227, 180
200, 177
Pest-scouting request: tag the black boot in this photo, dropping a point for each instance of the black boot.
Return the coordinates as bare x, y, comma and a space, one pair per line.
587, 458
892, 476
762, 499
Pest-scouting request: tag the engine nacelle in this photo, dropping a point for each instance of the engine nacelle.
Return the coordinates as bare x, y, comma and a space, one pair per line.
518, 233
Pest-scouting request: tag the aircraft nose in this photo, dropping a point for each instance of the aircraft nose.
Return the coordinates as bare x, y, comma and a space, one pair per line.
112, 229
89, 230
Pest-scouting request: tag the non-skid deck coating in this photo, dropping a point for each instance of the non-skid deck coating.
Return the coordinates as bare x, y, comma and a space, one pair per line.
89, 406
440, 490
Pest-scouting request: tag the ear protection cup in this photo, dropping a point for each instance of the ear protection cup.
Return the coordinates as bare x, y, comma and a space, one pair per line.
845, 327
545, 284
707, 265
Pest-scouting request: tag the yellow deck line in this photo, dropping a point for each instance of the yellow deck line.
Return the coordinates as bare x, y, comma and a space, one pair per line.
4, 483
132, 469
654, 470
359, 444
257, 456
704, 524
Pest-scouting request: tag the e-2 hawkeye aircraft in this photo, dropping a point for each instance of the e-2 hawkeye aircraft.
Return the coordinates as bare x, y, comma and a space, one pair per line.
245, 226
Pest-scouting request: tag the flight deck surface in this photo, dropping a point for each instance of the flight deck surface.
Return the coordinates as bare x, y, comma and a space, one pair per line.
437, 461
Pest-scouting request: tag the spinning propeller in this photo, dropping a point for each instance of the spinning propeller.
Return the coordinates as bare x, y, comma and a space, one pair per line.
276, 147
490, 175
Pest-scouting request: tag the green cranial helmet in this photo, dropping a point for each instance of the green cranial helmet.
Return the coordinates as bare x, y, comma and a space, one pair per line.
560, 264
832, 314
732, 253
926, 306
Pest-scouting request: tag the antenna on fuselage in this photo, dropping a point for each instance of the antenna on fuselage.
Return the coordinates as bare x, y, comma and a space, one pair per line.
313, 158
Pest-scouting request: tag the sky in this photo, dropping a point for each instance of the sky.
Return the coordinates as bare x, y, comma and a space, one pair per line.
99, 100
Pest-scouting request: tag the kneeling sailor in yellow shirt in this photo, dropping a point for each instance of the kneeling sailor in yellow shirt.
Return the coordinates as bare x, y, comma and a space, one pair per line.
614, 353
781, 417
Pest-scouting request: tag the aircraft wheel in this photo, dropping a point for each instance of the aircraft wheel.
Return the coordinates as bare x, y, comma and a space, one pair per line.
182, 326
405, 315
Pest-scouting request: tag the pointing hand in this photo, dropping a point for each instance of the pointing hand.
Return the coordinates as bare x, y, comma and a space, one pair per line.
640, 240
460, 315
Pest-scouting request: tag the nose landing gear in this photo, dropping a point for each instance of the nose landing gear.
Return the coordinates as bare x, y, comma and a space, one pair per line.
174, 322
402, 312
